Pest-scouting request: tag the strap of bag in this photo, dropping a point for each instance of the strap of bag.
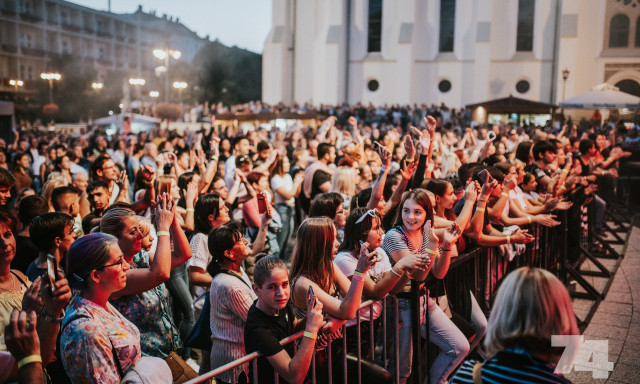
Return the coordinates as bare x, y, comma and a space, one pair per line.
477, 373
227, 272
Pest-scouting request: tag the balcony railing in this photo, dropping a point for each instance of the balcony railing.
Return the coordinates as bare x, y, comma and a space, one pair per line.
32, 17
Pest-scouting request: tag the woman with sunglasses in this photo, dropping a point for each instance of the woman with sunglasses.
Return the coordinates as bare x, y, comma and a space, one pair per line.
99, 344
365, 227
145, 300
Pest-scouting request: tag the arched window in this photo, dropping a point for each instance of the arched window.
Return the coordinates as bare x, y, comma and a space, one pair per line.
375, 26
619, 31
629, 86
526, 11
447, 24
638, 32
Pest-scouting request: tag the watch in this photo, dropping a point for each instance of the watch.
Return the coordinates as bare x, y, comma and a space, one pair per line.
46, 317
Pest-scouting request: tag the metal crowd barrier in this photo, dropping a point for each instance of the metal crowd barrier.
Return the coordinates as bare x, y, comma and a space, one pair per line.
482, 269
384, 343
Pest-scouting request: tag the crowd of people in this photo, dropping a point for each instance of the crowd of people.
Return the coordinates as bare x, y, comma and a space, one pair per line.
124, 256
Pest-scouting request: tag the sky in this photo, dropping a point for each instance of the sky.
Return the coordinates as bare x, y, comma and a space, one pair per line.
244, 23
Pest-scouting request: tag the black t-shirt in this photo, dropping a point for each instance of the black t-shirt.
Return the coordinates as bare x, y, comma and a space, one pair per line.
26, 253
263, 333
319, 178
536, 171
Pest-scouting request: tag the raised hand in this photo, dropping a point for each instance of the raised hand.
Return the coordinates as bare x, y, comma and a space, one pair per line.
487, 188
430, 123
521, 236
314, 316
431, 235
20, 335
56, 299
409, 170
471, 192
31, 301
148, 174
165, 212
366, 259
451, 235
409, 147
191, 193
415, 261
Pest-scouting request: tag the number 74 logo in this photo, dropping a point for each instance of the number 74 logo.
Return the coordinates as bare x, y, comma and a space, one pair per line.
583, 355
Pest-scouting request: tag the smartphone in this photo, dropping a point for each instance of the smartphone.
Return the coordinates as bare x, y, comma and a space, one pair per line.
311, 295
491, 135
376, 145
484, 176
262, 202
52, 270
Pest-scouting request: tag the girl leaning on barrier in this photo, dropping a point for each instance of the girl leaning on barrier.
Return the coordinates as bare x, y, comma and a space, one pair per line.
365, 227
413, 234
531, 306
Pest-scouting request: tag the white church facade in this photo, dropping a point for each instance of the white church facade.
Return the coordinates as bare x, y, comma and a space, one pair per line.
455, 52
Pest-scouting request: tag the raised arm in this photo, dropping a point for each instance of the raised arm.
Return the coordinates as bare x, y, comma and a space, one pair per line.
378, 187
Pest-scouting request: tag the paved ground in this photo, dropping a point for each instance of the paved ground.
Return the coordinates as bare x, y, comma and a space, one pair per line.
617, 320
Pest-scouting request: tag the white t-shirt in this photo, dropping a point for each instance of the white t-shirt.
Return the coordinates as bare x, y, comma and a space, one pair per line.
285, 181
518, 195
347, 264
200, 257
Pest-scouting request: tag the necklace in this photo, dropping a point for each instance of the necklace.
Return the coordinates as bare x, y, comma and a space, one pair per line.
12, 285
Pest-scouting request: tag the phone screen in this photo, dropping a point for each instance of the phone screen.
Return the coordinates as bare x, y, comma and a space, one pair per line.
483, 176
262, 203
52, 269
311, 295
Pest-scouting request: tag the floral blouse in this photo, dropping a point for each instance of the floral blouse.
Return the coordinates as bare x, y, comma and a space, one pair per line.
89, 336
150, 312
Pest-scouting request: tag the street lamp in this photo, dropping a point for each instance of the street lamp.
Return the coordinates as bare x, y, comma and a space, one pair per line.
51, 76
565, 76
154, 94
16, 84
179, 85
165, 54
137, 81
96, 85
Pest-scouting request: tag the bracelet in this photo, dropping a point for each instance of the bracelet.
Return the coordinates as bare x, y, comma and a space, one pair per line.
508, 239
190, 210
431, 251
214, 158
357, 273
480, 209
310, 335
396, 273
162, 233
356, 277
504, 194
445, 250
29, 360
529, 218
408, 160
602, 173
47, 317
565, 171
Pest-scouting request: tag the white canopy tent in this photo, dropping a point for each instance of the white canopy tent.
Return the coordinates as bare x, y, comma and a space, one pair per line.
603, 96
114, 123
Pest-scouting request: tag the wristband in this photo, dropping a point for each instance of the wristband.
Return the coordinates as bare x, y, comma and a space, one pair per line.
396, 273
357, 273
504, 194
356, 277
508, 239
446, 250
46, 317
602, 173
529, 218
162, 233
431, 251
29, 360
190, 210
310, 335
565, 171
480, 209
408, 160
214, 158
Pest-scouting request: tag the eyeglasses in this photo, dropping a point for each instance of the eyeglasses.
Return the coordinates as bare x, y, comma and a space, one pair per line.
372, 212
120, 262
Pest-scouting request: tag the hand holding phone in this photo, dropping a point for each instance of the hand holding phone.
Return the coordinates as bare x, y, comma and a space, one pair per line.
484, 176
311, 297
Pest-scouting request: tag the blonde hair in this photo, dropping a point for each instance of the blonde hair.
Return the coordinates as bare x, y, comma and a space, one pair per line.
344, 181
145, 225
531, 305
163, 184
54, 180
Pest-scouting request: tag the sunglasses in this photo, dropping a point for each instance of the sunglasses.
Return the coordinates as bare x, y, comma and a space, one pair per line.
372, 212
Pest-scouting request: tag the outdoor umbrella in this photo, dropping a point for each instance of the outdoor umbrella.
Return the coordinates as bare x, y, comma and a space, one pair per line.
603, 96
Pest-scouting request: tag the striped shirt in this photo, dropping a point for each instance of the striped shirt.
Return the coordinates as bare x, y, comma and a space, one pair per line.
511, 366
230, 300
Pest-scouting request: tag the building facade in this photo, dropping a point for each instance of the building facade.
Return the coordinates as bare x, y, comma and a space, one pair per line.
34, 31
455, 52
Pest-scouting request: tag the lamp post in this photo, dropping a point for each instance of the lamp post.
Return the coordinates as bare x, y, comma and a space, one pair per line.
97, 86
179, 85
565, 76
51, 76
154, 94
166, 54
16, 84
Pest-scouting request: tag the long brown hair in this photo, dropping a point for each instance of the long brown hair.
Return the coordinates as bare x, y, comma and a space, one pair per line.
311, 255
421, 197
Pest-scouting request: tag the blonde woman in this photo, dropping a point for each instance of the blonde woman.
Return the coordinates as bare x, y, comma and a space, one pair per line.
54, 180
343, 182
531, 306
